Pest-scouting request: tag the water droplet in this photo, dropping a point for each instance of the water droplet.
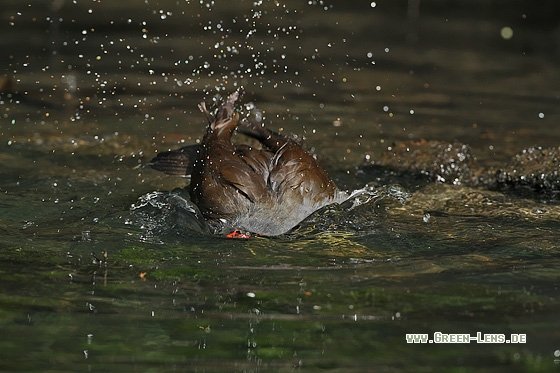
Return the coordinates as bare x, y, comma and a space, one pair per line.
506, 33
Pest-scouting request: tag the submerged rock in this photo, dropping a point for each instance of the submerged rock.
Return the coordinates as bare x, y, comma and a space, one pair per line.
533, 170
437, 161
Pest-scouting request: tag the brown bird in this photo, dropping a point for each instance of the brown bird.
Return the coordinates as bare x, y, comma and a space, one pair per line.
264, 191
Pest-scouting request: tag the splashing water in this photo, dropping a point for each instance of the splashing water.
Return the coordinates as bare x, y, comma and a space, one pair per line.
161, 215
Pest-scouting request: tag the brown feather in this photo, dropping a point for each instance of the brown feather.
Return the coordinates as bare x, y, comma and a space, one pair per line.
266, 191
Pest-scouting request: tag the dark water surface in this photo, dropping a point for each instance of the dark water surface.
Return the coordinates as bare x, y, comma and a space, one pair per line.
91, 90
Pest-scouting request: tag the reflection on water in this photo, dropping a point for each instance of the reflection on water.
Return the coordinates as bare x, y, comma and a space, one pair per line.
90, 90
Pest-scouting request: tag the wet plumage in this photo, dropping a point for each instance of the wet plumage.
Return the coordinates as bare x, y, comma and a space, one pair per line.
266, 191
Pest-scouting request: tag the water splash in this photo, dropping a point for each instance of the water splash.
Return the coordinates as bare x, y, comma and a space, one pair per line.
248, 47
163, 215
